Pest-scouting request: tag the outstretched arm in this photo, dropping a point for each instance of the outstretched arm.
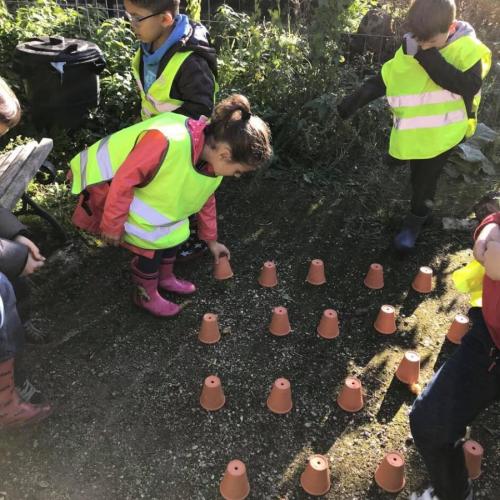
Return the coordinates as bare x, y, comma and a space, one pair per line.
370, 90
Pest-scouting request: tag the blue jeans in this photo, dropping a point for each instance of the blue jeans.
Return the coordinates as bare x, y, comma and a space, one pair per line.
11, 332
464, 386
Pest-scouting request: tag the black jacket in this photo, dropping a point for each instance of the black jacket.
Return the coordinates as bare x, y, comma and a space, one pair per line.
195, 81
13, 255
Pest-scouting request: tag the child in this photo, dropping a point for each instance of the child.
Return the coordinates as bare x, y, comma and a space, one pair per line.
433, 87
19, 257
162, 171
465, 385
175, 70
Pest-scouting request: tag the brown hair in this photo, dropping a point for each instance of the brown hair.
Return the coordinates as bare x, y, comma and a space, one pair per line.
428, 18
10, 110
159, 5
247, 135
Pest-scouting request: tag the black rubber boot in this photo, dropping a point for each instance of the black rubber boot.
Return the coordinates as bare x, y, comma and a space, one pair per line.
405, 240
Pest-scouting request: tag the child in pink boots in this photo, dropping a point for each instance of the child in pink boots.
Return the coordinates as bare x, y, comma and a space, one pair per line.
139, 186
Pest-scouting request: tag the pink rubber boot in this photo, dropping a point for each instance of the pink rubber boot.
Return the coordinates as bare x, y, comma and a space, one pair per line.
146, 294
170, 283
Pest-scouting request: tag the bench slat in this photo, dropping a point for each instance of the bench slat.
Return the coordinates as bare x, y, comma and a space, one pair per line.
14, 159
14, 181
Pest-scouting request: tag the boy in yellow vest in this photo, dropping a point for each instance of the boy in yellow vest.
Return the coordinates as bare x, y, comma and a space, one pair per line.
175, 70
433, 87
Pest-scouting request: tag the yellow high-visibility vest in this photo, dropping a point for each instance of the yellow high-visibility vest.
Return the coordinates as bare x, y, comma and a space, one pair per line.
429, 120
158, 214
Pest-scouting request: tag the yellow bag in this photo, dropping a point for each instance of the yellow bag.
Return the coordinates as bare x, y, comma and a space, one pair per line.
469, 279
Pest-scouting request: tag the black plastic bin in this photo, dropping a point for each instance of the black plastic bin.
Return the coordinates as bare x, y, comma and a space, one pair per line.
61, 77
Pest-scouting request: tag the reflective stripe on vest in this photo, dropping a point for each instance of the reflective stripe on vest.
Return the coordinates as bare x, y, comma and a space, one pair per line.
156, 234
103, 159
84, 158
436, 97
429, 120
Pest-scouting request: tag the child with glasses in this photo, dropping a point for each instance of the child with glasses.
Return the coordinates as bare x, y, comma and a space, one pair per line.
175, 69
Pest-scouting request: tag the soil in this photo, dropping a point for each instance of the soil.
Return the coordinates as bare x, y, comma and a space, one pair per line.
126, 385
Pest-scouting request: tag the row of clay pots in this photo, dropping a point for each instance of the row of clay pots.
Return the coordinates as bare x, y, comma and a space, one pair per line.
280, 401
268, 276
315, 480
316, 275
328, 327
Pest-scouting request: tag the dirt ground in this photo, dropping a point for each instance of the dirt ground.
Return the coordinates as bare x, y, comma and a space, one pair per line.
126, 386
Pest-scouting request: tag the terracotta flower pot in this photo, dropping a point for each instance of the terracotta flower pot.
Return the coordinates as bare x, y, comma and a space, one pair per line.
408, 370
316, 477
390, 473
209, 330
386, 320
234, 484
316, 274
328, 327
268, 276
423, 280
280, 397
473, 453
222, 270
375, 277
350, 397
458, 329
280, 325
212, 396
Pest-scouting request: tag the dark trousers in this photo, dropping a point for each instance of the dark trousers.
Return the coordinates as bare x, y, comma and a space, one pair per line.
464, 386
424, 178
150, 266
11, 332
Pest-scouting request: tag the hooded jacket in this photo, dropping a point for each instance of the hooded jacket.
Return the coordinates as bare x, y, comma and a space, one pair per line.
195, 81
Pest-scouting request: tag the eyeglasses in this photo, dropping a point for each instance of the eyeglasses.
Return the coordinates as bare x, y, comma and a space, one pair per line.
136, 20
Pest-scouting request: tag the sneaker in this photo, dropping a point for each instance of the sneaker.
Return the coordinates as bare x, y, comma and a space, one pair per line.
34, 335
428, 494
30, 394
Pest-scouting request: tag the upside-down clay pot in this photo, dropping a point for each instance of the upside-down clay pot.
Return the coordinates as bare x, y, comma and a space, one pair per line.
280, 325
209, 330
390, 473
222, 270
280, 397
473, 453
375, 277
458, 329
328, 327
212, 396
234, 484
315, 480
423, 280
268, 276
316, 274
408, 370
386, 320
350, 397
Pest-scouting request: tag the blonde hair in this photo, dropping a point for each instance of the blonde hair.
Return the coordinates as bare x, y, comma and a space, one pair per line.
10, 110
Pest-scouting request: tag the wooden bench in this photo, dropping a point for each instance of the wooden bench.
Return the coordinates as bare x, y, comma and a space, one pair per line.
17, 168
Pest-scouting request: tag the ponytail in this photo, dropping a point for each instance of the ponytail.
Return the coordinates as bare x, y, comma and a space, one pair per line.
247, 135
10, 110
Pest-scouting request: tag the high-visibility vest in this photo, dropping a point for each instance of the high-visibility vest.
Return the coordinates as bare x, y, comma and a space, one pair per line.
157, 99
469, 279
158, 214
429, 120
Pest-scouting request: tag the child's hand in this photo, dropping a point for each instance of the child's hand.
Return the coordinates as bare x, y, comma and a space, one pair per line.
490, 232
111, 239
33, 249
218, 249
32, 265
